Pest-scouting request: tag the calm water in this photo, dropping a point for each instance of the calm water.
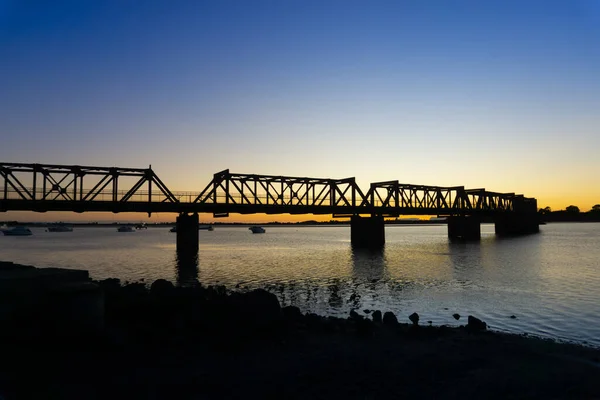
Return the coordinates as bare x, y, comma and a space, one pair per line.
550, 281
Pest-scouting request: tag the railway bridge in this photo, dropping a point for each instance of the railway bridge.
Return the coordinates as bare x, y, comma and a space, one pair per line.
77, 188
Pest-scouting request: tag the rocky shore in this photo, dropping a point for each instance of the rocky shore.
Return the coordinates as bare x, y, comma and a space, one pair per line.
204, 342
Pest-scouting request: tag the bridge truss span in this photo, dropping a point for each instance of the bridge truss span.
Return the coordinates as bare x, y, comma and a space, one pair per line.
269, 190
42, 185
46, 187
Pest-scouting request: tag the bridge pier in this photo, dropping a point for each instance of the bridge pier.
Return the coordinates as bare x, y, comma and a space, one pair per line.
368, 232
517, 224
187, 233
522, 221
464, 227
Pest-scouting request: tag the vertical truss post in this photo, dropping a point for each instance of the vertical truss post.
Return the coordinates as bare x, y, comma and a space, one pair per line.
34, 182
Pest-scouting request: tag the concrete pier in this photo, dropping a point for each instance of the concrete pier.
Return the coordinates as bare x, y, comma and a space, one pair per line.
367, 232
523, 220
517, 224
187, 233
464, 228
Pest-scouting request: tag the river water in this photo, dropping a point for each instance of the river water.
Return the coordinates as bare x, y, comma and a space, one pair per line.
550, 281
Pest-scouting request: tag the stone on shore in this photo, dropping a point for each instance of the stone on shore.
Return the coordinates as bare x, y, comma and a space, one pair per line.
376, 316
475, 324
390, 319
161, 287
414, 318
292, 313
456, 316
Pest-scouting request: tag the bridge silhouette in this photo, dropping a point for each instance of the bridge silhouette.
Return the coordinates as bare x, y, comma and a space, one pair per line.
47, 187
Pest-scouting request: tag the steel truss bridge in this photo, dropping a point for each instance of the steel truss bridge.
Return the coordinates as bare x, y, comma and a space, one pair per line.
46, 187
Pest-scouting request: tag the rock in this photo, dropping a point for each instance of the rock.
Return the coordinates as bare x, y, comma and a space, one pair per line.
364, 328
475, 324
161, 287
110, 284
292, 313
354, 316
430, 322
414, 318
389, 318
314, 321
513, 317
257, 311
376, 316
456, 316
367, 311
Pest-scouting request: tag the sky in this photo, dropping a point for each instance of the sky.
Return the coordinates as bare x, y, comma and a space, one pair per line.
502, 95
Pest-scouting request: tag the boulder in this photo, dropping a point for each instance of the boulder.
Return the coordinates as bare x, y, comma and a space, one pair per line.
364, 327
414, 318
259, 309
376, 316
389, 318
354, 316
161, 287
475, 324
292, 313
456, 316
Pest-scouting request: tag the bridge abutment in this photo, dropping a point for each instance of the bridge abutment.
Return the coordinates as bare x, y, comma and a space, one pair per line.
187, 233
367, 232
464, 227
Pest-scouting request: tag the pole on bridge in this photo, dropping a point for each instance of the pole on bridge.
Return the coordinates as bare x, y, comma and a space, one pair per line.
187, 233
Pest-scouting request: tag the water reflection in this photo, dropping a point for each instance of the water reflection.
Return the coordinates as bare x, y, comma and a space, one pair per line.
368, 265
186, 268
335, 299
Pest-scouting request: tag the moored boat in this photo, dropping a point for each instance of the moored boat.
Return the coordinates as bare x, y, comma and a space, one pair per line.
18, 231
125, 228
206, 228
257, 229
59, 228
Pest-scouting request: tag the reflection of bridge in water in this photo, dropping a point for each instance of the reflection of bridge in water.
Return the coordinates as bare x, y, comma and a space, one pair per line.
42, 188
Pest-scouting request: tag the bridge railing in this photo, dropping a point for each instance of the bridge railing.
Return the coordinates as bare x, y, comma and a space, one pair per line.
181, 197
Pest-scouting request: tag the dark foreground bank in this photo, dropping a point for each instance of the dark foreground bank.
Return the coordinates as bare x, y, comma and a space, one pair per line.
202, 343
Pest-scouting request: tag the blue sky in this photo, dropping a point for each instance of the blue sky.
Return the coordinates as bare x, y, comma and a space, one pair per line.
503, 95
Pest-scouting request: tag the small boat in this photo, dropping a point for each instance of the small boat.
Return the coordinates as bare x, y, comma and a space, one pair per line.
141, 226
206, 228
257, 229
125, 228
173, 229
18, 231
3, 227
59, 228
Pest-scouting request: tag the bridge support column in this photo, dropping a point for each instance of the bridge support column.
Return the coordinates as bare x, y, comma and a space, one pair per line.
517, 224
187, 233
367, 232
464, 228
523, 220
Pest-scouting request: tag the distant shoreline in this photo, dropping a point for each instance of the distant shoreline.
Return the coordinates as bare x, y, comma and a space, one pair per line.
246, 224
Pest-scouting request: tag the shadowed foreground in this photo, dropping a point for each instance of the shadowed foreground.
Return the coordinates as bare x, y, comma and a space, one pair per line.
198, 343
